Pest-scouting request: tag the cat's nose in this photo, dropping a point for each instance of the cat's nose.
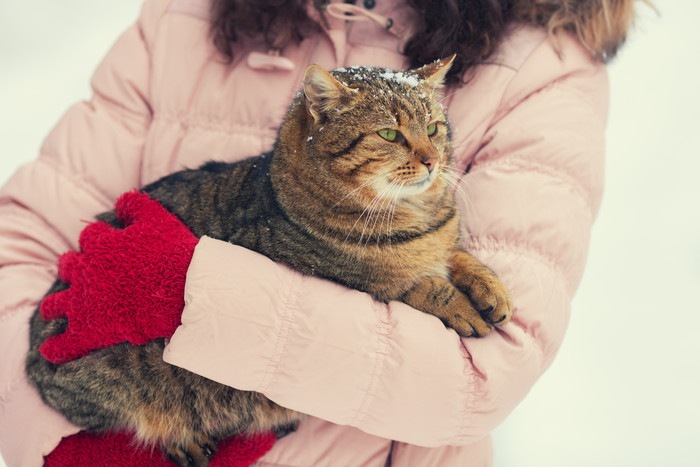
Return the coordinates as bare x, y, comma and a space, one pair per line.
429, 162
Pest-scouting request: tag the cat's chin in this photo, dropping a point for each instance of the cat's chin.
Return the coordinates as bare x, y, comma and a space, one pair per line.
403, 191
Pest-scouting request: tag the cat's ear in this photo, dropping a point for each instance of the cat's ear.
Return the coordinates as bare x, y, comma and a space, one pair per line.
324, 93
434, 73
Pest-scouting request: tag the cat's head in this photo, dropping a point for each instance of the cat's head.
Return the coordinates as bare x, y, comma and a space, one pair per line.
377, 128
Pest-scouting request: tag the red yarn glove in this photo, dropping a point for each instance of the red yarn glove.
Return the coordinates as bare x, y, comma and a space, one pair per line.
118, 449
126, 285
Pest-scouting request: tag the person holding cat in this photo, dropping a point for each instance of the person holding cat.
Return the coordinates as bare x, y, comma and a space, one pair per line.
382, 384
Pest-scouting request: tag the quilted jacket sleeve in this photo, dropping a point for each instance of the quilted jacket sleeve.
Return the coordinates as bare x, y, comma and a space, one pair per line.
92, 155
533, 189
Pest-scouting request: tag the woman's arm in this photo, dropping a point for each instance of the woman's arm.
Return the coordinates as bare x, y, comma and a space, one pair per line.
91, 156
313, 346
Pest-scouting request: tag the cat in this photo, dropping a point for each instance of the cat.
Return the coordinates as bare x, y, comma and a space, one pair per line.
357, 190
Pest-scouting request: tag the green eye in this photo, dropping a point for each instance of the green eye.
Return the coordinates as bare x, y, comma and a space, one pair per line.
387, 134
432, 129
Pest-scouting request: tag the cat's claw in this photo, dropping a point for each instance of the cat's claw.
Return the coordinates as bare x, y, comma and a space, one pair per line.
208, 450
472, 326
485, 290
491, 291
193, 455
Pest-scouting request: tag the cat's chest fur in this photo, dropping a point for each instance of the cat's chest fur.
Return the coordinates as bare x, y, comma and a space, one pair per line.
357, 189
238, 203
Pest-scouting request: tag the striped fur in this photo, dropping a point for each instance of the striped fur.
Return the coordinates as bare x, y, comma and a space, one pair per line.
335, 199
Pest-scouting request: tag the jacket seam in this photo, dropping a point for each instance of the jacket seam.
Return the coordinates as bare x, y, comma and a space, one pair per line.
470, 402
212, 125
463, 436
505, 106
290, 305
521, 161
79, 182
149, 45
9, 387
158, 22
122, 111
381, 346
560, 85
191, 8
273, 464
462, 159
493, 245
22, 219
9, 311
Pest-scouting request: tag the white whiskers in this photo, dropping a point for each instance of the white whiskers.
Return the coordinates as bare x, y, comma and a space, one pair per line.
378, 215
453, 178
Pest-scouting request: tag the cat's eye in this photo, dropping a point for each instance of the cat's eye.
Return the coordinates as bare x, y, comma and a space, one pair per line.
388, 134
432, 129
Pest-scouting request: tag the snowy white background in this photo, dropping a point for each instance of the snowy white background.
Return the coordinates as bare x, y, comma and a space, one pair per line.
625, 388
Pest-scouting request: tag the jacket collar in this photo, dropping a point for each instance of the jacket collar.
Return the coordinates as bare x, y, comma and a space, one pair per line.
388, 23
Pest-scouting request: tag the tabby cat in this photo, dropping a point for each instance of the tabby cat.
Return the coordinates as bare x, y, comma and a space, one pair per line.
358, 190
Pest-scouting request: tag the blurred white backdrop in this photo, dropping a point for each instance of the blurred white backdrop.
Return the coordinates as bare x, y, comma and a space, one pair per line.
625, 388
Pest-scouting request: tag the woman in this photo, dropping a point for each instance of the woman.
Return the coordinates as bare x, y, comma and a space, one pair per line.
528, 102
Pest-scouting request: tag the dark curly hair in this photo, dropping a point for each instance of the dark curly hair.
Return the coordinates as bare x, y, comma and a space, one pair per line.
469, 28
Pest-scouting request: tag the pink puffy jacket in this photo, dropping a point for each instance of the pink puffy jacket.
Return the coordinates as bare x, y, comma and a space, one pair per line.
528, 130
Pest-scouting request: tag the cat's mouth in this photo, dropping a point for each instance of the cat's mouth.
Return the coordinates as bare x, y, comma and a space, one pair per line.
420, 184
409, 188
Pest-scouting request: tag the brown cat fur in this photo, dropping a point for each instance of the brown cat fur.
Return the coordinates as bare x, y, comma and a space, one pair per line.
335, 199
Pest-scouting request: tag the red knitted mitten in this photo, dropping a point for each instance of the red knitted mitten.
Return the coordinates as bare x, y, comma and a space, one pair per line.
120, 450
126, 285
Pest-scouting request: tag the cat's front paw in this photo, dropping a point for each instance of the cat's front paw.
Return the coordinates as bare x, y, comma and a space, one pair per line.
485, 290
464, 319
